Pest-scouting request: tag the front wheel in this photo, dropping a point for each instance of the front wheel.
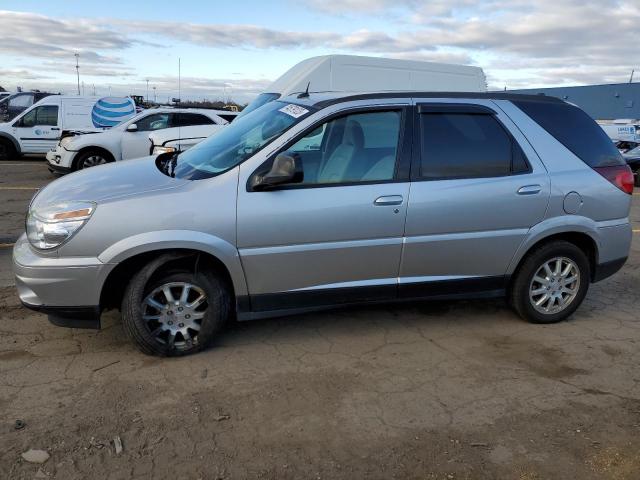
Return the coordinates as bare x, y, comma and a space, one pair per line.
91, 158
551, 283
174, 314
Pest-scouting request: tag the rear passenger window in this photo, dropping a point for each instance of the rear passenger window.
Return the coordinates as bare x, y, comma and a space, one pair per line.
461, 145
187, 119
576, 130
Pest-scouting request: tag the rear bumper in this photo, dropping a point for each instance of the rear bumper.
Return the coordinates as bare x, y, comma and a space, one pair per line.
605, 270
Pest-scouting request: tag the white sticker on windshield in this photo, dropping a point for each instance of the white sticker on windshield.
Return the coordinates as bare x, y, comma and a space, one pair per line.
294, 110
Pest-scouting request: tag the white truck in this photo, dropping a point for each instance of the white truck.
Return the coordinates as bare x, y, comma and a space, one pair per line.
354, 73
130, 139
38, 129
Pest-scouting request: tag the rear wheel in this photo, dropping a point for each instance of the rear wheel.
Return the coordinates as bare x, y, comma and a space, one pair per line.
174, 314
7, 150
92, 158
551, 283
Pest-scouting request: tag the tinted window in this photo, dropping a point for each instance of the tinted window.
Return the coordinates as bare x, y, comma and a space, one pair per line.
458, 145
186, 119
575, 130
361, 147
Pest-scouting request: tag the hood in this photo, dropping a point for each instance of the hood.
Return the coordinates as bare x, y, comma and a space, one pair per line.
107, 182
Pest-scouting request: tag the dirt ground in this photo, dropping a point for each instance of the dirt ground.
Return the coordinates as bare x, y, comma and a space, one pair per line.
457, 390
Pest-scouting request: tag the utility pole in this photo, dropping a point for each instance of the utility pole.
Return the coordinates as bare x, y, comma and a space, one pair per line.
632, 72
78, 71
155, 98
147, 97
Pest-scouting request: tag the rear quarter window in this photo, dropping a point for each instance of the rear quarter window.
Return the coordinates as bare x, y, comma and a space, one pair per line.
576, 130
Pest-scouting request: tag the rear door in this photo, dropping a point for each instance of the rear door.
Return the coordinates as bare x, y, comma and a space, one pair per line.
38, 130
477, 187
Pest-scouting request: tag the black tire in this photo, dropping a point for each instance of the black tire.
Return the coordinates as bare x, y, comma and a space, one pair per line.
522, 281
88, 159
7, 150
138, 330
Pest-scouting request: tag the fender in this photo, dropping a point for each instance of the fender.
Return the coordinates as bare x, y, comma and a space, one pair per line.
224, 251
11, 138
554, 226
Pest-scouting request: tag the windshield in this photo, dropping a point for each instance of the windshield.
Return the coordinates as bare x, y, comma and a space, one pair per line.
236, 142
258, 102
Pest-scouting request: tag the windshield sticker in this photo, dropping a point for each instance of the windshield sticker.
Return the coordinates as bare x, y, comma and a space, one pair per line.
295, 111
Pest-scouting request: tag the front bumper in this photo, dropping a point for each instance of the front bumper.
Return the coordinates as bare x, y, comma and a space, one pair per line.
60, 160
66, 289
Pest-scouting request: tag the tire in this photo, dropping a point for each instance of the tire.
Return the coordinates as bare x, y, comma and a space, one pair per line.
7, 150
154, 337
526, 291
92, 158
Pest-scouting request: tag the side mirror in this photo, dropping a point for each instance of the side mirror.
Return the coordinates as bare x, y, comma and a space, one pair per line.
286, 168
132, 128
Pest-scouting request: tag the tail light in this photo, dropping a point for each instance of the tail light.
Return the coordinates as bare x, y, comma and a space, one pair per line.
620, 175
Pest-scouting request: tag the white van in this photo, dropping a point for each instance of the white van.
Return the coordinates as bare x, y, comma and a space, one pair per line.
38, 129
353, 73
622, 129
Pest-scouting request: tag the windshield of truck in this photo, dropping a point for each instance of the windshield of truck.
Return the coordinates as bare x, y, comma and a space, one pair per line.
258, 102
236, 142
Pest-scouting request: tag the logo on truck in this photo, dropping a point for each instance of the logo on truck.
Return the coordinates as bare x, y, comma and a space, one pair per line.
110, 111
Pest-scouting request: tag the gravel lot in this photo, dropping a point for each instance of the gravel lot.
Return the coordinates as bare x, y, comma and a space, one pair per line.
458, 390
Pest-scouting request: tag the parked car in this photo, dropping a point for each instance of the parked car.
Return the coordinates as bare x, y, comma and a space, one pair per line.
355, 73
179, 139
624, 146
406, 196
632, 157
39, 128
130, 139
15, 103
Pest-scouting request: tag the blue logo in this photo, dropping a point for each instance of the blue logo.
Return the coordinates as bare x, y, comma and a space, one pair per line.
110, 111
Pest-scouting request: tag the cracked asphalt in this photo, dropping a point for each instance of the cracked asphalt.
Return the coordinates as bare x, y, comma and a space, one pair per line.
446, 390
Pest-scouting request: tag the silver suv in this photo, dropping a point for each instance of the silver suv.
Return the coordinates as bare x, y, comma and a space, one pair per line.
314, 201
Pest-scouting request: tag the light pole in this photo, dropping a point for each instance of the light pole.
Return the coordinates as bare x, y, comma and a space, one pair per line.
78, 71
147, 89
155, 98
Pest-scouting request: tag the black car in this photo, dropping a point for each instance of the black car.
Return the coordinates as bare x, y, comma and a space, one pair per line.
633, 160
17, 103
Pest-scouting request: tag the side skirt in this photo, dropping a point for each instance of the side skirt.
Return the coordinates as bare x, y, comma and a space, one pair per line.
293, 303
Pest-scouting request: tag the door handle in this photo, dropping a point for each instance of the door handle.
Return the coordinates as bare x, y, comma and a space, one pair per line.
388, 200
529, 190
55, 128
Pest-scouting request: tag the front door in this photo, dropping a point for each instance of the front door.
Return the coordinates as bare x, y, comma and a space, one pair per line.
136, 144
38, 130
477, 188
336, 237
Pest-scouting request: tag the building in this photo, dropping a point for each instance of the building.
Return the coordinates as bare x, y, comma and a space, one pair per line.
602, 102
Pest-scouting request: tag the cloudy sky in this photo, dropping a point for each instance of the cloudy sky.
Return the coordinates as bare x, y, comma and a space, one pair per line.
233, 49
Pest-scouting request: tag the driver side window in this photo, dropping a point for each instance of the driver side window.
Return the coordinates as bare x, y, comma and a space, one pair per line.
155, 121
360, 147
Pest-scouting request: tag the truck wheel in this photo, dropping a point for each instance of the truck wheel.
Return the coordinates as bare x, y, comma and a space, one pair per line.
174, 314
7, 150
91, 158
551, 283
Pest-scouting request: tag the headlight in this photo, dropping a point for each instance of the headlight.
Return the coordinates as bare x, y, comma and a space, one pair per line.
66, 141
159, 150
48, 227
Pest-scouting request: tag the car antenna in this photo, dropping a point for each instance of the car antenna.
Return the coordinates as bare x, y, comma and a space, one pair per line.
305, 94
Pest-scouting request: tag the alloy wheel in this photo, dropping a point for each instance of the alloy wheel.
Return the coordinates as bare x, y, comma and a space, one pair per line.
93, 160
173, 313
554, 286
